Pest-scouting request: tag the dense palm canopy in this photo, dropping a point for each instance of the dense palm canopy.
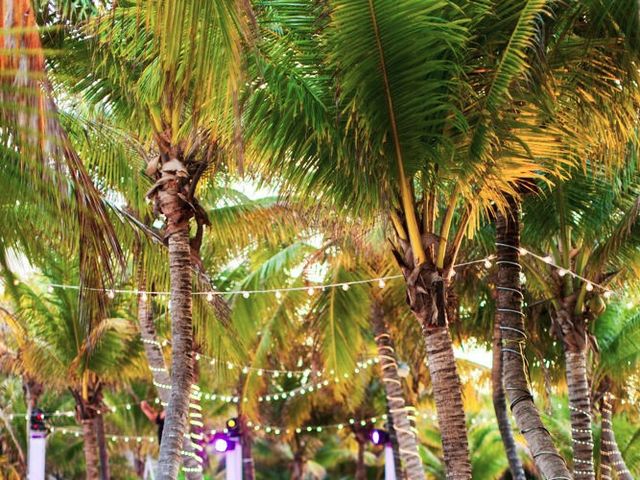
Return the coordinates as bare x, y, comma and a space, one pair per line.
287, 212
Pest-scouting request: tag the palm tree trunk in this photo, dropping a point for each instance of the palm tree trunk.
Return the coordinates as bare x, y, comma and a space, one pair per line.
448, 398
510, 319
427, 291
361, 470
176, 420
105, 473
407, 441
611, 458
246, 443
580, 406
160, 374
500, 408
91, 458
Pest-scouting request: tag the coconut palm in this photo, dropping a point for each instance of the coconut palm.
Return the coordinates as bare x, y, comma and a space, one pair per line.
594, 237
403, 152
60, 349
616, 331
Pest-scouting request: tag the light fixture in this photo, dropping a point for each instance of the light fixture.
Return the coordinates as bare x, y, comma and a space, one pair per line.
562, 272
403, 370
589, 286
378, 437
345, 286
278, 294
487, 263
111, 294
547, 259
245, 294
381, 283
222, 443
209, 297
310, 290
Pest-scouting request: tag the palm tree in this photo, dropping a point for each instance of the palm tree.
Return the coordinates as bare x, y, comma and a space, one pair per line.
617, 331
593, 237
169, 39
59, 348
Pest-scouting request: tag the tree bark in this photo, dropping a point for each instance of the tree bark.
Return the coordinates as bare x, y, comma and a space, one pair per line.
427, 295
500, 408
448, 398
160, 374
580, 407
361, 470
246, 441
610, 456
406, 438
510, 319
90, 449
105, 473
176, 419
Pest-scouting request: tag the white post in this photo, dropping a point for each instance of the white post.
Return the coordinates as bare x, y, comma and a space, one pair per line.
389, 463
37, 454
234, 461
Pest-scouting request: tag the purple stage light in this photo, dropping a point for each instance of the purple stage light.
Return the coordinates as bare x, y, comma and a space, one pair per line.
378, 437
222, 443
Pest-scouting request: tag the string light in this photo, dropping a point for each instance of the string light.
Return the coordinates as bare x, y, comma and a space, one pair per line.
381, 281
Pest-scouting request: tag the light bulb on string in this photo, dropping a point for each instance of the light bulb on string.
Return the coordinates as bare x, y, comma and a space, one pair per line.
111, 294
522, 251
562, 272
589, 287
278, 294
209, 297
245, 294
381, 283
310, 290
50, 289
487, 263
345, 286
143, 296
547, 259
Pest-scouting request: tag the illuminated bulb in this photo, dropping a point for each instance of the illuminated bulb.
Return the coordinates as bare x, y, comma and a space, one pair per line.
298, 430
230, 365
522, 251
144, 296
276, 374
589, 286
209, 297
245, 370
197, 357
128, 407
260, 372
289, 374
487, 263
381, 283
165, 343
310, 290
50, 289
245, 294
345, 286
562, 272
16, 282
111, 294
278, 294
340, 426
547, 259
